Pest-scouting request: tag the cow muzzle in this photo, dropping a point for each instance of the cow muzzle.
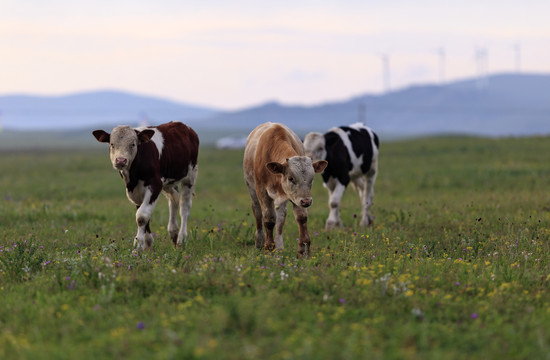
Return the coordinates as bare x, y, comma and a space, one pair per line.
306, 202
120, 162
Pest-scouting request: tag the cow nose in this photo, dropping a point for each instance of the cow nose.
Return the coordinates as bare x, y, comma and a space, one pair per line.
306, 202
120, 161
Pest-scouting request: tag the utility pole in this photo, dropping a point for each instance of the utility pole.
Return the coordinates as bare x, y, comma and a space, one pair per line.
362, 112
482, 67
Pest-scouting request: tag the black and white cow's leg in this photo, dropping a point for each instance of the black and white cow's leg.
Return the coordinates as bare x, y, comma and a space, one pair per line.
280, 210
360, 185
335, 192
371, 179
185, 201
172, 195
144, 239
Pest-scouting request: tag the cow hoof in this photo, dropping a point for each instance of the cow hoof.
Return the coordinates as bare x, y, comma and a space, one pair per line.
367, 222
269, 247
333, 225
259, 239
139, 245
148, 243
303, 251
174, 239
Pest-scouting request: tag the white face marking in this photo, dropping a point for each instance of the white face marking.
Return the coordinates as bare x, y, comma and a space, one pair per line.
297, 180
123, 147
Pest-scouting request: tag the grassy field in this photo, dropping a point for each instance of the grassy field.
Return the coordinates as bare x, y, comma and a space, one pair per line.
457, 265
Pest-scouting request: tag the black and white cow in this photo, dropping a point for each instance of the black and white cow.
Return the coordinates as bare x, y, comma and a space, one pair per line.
154, 159
352, 155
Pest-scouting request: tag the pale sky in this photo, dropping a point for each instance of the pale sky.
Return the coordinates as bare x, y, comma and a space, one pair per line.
233, 54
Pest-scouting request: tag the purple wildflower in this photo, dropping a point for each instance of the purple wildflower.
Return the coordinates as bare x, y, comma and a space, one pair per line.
140, 325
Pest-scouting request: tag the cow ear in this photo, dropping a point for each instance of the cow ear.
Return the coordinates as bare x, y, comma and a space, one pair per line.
145, 135
319, 166
275, 167
102, 136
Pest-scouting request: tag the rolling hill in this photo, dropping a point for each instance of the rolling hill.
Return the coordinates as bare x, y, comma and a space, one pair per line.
91, 109
499, 105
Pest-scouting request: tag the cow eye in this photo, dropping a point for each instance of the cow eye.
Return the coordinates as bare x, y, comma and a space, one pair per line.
291, 179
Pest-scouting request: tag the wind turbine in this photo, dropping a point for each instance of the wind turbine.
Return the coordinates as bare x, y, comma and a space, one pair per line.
482, 66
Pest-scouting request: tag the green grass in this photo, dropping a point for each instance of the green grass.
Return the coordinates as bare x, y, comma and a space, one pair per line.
456, 265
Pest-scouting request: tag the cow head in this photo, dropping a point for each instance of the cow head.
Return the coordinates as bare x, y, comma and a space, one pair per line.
314, 144
297, 177
123, 144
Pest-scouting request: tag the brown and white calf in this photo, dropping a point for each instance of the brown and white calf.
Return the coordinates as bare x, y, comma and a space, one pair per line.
154, 159
352, 155
276, 170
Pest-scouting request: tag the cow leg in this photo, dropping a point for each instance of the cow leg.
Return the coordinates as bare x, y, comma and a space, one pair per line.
280, 209
335, 193
269, 218
144, 239
360, 185
371, 179
173, 203
304, 243
259, 237
148, 237
185, 201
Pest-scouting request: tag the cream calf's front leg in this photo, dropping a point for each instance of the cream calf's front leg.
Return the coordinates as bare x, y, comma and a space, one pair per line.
144, 239
304, 242
280, 210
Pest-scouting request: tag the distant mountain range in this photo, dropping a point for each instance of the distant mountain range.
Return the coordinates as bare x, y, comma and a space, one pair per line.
92, 109
498, 105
